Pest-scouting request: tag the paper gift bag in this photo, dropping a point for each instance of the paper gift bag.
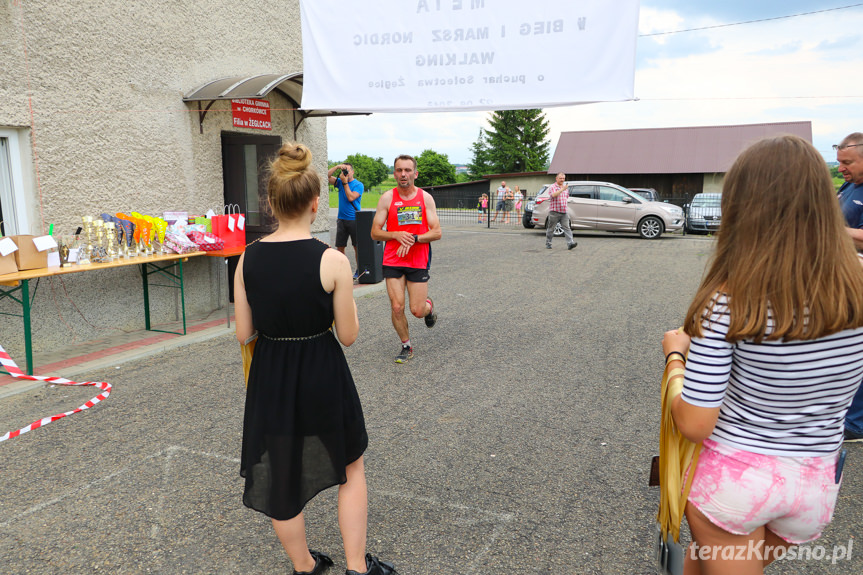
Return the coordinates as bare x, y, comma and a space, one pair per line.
7, 256
205, 221
219, 226
235, 226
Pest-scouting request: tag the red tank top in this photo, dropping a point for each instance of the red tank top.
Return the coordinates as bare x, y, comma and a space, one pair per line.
407, 216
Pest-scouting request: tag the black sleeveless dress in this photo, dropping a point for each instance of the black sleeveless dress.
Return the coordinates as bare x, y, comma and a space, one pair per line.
303, 420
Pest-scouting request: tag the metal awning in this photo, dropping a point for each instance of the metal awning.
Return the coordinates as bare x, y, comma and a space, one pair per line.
239, 87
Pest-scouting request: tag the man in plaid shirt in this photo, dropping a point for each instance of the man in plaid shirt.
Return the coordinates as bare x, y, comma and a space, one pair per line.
557, 212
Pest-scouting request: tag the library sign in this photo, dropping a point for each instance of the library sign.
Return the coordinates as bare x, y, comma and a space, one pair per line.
251, 114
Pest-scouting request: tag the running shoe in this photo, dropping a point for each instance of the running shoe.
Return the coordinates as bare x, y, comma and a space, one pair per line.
431, 318
405, 354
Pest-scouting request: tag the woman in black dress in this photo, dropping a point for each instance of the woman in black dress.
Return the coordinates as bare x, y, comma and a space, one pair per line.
303, 429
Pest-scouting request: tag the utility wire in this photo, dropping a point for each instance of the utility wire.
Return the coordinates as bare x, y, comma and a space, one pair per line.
831, 97
751, 21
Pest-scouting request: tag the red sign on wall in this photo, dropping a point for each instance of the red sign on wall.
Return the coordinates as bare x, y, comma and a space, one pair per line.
251, 114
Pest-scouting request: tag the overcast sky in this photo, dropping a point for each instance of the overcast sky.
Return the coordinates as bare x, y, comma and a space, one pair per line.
807, 67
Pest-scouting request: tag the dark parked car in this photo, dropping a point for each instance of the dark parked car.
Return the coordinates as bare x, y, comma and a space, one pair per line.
527, 215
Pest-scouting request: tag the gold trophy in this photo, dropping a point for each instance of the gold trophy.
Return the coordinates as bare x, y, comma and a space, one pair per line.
85, 251
98, 255
63, 247
111, 241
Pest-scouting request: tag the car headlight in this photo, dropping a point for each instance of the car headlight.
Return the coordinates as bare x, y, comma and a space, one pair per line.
673, 210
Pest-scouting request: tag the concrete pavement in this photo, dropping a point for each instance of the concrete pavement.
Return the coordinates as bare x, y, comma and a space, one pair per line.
517, 440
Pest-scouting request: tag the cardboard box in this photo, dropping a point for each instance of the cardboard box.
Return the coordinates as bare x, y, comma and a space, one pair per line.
7, 264
28, 257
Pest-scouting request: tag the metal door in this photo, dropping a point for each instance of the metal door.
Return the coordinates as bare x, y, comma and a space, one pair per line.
245, 164
582, 206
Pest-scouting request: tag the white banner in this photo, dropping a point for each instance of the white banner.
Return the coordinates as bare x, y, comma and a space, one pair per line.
443, 55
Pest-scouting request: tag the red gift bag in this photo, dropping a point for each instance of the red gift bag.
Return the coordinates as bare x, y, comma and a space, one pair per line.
220, 227
235, 226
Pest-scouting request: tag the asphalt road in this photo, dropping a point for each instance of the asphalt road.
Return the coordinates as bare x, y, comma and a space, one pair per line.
517, 440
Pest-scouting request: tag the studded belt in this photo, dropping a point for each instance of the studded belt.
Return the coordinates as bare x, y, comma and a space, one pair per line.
265, 336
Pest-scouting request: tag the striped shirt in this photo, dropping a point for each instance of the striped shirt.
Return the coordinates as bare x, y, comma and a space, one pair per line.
558, 204
778, 397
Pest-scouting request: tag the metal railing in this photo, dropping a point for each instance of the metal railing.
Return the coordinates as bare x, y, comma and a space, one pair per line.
468, 210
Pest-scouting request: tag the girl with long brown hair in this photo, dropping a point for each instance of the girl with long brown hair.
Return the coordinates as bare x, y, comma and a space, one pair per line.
775, 354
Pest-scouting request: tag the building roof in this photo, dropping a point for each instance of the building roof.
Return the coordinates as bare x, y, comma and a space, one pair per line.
513, 175
689, 150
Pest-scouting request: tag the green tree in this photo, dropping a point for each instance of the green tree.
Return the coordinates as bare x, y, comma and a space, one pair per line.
434, 169
480, 163
370, 171
517, 141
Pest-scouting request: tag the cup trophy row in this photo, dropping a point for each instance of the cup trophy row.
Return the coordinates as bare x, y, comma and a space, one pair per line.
107, 241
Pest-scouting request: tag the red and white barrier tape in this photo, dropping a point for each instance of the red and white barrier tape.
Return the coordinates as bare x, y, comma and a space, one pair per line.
15, 371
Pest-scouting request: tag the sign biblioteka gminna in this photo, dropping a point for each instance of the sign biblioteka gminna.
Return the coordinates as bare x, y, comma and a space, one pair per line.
251, 114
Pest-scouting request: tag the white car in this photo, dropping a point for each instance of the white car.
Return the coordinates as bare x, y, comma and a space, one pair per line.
609, 207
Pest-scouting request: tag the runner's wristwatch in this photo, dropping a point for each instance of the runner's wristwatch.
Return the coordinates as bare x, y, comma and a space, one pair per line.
416, 239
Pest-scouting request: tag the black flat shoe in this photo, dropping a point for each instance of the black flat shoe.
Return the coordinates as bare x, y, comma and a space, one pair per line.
375, 566
322, 563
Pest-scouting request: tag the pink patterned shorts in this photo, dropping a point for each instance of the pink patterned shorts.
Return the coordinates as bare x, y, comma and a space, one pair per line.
740, 491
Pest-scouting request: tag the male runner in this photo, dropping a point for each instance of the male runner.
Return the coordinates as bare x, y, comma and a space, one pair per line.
411, 221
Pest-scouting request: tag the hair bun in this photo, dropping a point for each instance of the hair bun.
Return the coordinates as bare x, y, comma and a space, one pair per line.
293, 158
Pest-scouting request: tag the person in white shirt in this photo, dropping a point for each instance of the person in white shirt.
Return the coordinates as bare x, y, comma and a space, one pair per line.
501, 203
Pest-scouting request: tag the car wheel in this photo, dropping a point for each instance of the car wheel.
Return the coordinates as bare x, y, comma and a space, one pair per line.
525, 220
650, 228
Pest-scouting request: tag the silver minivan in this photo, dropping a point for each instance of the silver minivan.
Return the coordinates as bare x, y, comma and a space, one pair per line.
609, 207
704, 213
